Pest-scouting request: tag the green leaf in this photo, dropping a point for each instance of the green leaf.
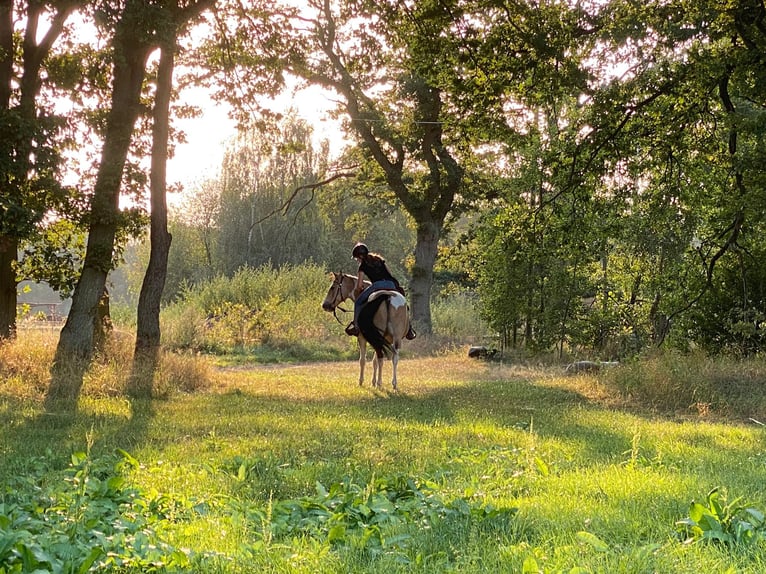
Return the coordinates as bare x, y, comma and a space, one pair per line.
710, 523
757, 516
78, 458
321, 490
714, 501
697, 511
593, 541
128, 458
530, 566
542, 468
89, 560
336, 534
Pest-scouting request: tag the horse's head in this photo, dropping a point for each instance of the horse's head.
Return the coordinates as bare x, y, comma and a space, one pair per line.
342, 288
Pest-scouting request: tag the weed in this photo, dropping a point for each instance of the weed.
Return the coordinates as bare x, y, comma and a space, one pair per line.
730, 523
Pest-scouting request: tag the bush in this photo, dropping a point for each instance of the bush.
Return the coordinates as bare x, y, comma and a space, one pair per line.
256, 307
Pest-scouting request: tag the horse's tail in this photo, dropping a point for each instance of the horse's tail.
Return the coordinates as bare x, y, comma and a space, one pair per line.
367, 328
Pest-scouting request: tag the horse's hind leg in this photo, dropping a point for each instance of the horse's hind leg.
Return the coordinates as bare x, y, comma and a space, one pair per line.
362, 359
377, 371
394, 363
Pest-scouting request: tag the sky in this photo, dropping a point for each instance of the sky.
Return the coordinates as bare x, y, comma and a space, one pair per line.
208, 135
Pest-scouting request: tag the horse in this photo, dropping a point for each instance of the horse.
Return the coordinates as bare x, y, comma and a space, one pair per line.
382, 322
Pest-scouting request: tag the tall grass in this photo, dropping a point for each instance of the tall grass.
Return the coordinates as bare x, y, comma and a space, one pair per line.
694, 384
25, 367
276, 314
278, 309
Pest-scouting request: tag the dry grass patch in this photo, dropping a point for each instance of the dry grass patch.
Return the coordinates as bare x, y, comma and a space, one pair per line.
693, 385
25, 363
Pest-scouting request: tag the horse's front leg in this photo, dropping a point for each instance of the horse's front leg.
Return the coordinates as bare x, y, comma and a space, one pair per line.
362, 358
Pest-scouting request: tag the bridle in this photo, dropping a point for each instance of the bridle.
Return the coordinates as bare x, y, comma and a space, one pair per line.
338, 297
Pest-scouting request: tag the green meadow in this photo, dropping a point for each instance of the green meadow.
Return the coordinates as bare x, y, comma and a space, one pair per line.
473, 466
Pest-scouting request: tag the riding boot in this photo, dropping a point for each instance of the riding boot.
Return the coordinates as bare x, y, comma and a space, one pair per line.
352, 330
411, 334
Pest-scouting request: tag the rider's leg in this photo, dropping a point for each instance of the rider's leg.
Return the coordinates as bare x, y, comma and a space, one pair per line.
411, 334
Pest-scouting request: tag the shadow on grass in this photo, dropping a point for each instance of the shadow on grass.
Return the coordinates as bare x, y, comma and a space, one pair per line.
53, 434
523, 404
473, 409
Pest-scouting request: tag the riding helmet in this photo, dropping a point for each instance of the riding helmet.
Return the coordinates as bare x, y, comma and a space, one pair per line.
360, 250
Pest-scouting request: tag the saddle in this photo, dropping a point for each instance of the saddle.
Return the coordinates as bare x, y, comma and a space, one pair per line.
353, 330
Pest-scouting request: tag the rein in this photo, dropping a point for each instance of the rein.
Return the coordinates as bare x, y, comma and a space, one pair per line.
339, 285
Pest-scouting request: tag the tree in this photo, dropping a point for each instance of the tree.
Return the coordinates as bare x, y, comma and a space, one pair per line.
685, 122
147, 348
30, 159
396, 110
425, 87
138, 27
264, 217
667, 157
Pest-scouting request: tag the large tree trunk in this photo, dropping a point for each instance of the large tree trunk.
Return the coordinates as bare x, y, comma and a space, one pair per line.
426, 249
75, 345
8, 245
148, 334
8, 297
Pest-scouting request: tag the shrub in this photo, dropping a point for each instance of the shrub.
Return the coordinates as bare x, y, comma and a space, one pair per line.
262, 306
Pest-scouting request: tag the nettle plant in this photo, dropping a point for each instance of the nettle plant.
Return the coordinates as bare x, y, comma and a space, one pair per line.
731, 523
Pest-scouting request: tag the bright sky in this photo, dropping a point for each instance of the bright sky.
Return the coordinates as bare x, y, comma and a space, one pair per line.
200, 158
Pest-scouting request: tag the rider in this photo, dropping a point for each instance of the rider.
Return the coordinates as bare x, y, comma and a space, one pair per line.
373, 267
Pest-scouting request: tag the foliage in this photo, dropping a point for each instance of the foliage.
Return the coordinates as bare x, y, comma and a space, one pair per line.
275, 314
268, 212
256, 307
54, 256
88, 521
641, 180
732, 523
362, 515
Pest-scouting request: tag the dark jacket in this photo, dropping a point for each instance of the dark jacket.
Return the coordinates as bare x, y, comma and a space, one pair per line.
375, 269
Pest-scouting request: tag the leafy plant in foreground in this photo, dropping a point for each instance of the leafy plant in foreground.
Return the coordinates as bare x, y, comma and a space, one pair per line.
730, 523
347, 513
89, 521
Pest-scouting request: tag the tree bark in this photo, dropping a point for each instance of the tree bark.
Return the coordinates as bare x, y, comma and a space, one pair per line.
8, 295
148, 334
426, 249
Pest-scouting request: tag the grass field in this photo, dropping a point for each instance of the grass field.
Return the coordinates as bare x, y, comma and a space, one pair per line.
473, 466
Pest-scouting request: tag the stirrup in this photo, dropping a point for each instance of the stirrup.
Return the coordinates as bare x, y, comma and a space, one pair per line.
411, 334
352, 329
